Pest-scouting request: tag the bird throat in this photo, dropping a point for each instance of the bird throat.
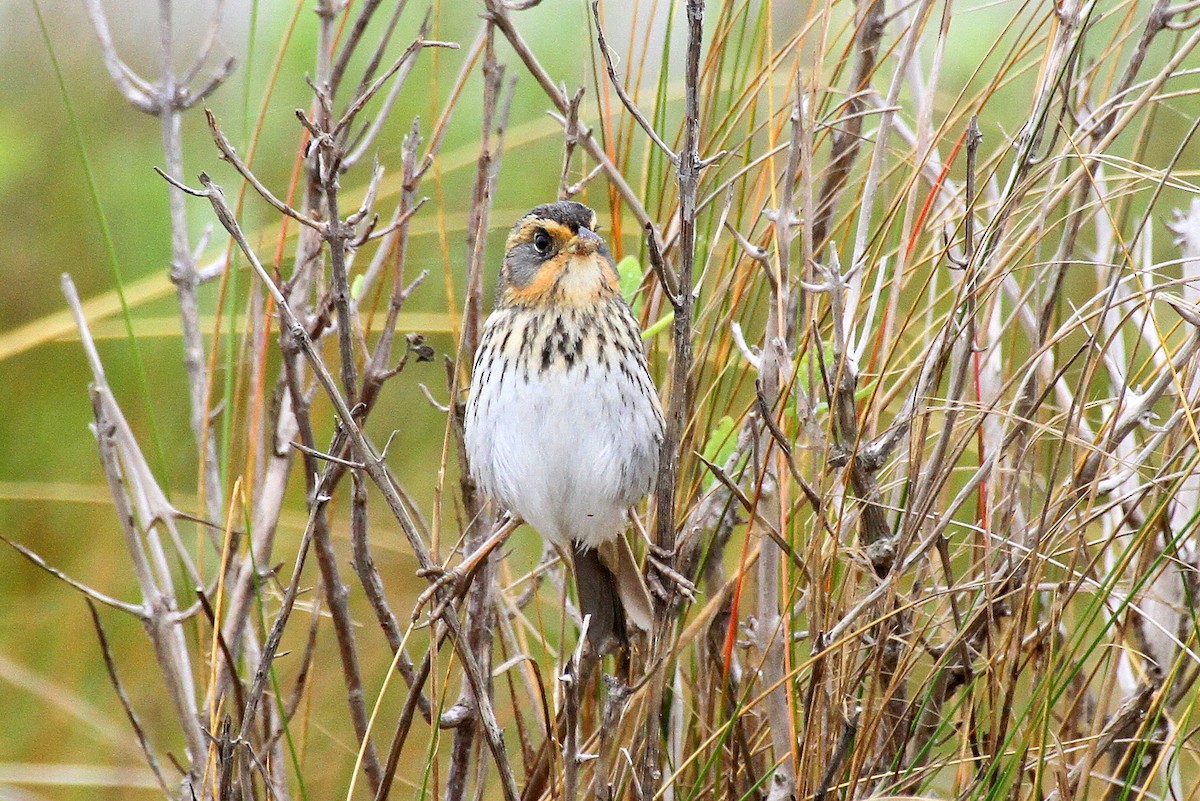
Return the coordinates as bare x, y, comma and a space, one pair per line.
571, 280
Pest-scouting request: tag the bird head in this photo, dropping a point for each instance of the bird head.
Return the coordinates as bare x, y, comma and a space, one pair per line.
554, 256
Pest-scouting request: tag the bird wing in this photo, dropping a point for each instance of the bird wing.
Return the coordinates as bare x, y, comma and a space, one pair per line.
617, 556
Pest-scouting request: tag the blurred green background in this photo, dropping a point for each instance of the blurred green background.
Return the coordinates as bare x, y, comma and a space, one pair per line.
65, 734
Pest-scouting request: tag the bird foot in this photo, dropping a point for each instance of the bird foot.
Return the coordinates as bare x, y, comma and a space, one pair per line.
455, 580
460, 577
660, 560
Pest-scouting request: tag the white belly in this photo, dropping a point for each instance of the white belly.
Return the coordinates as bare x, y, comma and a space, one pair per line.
569, 451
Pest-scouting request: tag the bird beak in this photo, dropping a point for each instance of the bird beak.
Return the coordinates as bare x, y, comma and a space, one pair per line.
584, 243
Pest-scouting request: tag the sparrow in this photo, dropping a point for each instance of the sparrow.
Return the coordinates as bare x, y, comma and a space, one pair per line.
563, 423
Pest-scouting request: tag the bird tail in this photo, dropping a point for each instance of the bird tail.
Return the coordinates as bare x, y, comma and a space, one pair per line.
612, 591
597, 589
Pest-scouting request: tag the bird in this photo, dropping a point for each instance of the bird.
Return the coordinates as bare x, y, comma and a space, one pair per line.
563, 423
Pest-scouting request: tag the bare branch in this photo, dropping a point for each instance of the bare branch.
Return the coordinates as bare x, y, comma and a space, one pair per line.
404, 63
626, 100
192, 98
229, 154
136, 90
89, 593
126, 704
206, 47
498, 12
570, 140
374, 468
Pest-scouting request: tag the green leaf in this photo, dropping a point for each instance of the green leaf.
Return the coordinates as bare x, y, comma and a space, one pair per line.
721, 441
629, 270
356, 286
808, 364
658, 326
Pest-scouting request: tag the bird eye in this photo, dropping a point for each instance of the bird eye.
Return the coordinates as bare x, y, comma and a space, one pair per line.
542, 243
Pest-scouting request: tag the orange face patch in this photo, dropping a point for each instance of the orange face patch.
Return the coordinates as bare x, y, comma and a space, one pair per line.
538, 290
567, 280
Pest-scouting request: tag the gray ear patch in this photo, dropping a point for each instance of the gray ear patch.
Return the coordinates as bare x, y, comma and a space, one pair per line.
522, 263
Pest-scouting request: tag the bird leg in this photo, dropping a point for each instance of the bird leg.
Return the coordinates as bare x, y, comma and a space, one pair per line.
660, 560
460, 577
